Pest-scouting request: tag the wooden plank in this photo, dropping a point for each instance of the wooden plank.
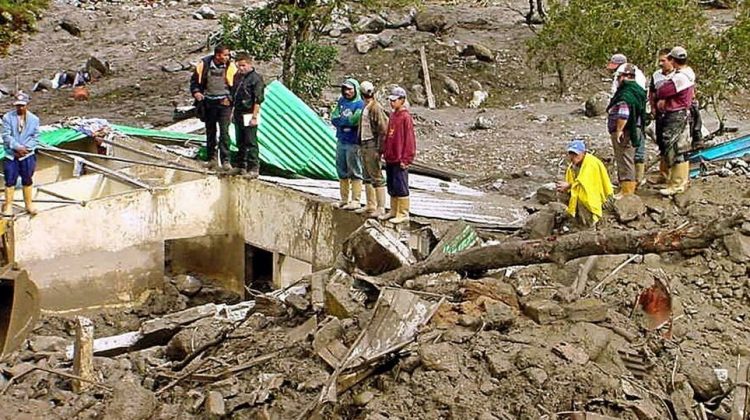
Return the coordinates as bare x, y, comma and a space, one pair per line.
739, 407
427, 82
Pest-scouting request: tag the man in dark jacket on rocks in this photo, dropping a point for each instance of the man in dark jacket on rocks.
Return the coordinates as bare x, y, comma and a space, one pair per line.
247, 95
211, 85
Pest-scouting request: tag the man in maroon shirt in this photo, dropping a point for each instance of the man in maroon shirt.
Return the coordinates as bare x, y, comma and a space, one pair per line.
399, 149
674, 98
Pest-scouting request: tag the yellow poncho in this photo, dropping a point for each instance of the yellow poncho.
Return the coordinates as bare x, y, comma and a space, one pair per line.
590, 188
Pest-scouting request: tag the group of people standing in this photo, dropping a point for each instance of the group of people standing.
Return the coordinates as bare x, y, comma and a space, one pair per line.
366, 134
674, 110
668, 100
226, 92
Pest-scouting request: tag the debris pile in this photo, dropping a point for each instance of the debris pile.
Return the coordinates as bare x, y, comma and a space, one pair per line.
619, 336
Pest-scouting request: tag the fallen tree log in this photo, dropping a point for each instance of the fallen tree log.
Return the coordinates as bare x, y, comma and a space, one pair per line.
565, 248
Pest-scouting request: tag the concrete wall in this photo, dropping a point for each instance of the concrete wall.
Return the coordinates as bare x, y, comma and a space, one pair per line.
111, 250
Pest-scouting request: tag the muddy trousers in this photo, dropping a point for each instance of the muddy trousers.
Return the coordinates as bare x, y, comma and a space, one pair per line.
247, 144
624, 157
373, 172
217, 116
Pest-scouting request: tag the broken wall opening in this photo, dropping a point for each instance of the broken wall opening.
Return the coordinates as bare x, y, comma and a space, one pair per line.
258, 268
217, 258
267, 270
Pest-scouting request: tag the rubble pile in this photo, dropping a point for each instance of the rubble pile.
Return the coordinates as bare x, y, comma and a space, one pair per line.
630, 337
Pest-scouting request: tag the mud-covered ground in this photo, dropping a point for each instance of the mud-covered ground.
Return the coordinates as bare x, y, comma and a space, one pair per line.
463, 365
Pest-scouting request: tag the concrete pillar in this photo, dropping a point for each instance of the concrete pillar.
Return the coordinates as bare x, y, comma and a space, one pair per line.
83, 354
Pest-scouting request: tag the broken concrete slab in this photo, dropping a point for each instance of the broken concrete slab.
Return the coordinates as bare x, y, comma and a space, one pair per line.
629, 208
459, 237
171, 322
375, 249
587, 310
298, 303
703, 380
543, 311
303, 331
338, 299
189, 339
328, 342
738, 247
317, 281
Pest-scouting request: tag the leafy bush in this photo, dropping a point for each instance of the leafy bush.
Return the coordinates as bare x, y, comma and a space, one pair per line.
584, 33
17, 17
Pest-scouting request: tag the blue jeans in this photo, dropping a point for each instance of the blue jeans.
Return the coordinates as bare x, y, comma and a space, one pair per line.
14, 168
348, 162
640, 151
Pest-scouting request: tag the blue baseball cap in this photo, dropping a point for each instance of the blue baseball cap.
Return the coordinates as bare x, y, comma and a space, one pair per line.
577, 146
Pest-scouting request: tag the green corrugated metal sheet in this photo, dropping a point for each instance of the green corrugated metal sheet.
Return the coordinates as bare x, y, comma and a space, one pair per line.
293, 137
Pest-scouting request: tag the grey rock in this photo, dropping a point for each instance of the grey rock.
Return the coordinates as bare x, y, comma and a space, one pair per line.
417, 95
433, 21
97, 64
738, 247
334, 33
482, 123
130, 401
536, 376
478, 99
385, 38
451, 85
215, 405
363, 398
596, 105
441, 357
72, 26
365, 43
4, 90
498, 364
499, 316
206, 12
370, 24
629, 208
481, 52
396, 19
188, 285
47, 343
703, 380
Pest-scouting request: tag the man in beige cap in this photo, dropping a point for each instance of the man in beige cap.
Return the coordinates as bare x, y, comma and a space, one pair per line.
372, 129
20, 134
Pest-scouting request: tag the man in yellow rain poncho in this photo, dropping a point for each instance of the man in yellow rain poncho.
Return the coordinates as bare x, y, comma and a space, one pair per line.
587, 182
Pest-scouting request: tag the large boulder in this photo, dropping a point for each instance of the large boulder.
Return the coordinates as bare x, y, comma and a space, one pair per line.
481, 52
433, 21
596, 105
365, 43
370, 24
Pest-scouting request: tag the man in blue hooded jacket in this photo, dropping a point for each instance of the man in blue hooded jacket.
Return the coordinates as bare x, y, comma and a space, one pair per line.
20, 134
346, 118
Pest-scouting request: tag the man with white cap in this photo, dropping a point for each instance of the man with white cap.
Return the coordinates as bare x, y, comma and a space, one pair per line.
372, 130
587, 182
616, 65
20, 136
675, 98
398, 152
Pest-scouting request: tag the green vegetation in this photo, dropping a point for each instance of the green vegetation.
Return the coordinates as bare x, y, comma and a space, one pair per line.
584, 33
16, 18
290, 30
